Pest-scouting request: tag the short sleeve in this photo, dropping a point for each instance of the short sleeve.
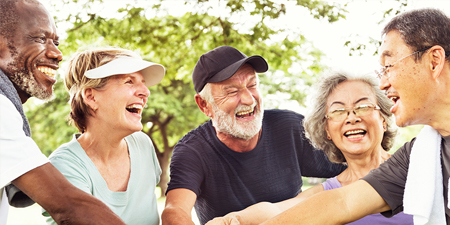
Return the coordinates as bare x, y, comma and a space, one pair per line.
186, 170
71, 168
18, 152
389, 179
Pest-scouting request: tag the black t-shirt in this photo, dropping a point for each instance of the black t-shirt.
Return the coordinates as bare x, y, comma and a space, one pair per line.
390, 178
226, 181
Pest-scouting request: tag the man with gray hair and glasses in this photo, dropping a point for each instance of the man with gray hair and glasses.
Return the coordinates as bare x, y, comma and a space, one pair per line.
415, 74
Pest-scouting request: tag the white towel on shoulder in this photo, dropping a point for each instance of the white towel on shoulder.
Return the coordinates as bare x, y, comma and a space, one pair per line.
423, 196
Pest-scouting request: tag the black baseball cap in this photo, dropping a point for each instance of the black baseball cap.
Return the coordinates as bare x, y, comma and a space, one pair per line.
222, 63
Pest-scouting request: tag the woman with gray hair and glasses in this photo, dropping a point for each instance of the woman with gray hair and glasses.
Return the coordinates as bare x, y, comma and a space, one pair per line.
350, 120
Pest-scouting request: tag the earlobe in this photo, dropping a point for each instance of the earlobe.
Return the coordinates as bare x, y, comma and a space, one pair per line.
328, 134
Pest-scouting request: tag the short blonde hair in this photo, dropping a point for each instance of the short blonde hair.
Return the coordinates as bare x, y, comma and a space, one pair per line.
76, 82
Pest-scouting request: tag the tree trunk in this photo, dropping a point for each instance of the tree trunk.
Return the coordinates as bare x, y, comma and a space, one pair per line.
164, 161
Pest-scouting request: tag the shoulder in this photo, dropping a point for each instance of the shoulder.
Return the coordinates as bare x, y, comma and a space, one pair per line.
282, 115
199, 135
7, 108
70, 152
140, 138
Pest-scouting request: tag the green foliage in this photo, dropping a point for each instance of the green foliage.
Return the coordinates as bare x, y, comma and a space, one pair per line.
48, 121
177, 42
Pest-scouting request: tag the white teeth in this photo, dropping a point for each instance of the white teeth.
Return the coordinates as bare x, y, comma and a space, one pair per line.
244, 112
393, 98
47, 70
134, 106
354, 132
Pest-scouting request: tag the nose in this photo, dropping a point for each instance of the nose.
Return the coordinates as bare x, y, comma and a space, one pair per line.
247, 97
143, 91
352, 117
384, 83
53, 52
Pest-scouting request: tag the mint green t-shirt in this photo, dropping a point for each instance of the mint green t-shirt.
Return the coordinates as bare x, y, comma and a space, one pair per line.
137, 205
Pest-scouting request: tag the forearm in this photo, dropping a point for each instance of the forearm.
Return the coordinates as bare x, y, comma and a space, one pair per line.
256, 213
174, 216
63, 201
263, 211
337, 206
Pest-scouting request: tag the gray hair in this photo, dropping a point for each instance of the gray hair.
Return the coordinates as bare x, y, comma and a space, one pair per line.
422, 28
315, 121
206, 94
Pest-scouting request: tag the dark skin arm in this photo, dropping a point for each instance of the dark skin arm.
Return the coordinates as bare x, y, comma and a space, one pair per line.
63, 201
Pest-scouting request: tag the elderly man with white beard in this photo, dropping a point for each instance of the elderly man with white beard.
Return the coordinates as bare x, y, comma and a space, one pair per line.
244, 154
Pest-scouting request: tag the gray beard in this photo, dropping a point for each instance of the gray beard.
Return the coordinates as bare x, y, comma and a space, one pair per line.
228, 124
25, 80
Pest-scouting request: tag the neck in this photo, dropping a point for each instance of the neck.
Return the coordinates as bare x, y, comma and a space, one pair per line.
22, 95
438, 117
101, 145
360, 165
237, 144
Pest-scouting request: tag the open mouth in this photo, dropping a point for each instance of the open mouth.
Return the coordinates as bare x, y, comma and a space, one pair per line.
47, 71
134, 108
244, 114
355, 133
394, 99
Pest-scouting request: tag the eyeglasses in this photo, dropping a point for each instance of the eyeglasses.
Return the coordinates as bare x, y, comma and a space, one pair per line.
339, 115
383, 70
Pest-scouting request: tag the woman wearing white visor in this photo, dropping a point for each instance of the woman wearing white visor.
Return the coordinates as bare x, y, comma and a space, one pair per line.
111, 158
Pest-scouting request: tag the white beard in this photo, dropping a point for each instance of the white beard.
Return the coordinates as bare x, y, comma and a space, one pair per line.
228, 124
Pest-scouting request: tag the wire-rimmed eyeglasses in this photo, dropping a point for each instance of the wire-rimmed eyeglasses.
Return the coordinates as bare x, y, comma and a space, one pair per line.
341, 114
383, 70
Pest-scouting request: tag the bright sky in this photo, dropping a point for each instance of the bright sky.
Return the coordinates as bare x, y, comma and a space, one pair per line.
361, 24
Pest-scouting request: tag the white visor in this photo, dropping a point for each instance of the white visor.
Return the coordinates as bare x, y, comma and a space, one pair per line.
153, 73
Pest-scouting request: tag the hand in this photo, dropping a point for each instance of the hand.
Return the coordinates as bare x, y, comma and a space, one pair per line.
226, 220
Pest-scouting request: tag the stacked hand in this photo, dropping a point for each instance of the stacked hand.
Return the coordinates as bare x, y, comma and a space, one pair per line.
226, 220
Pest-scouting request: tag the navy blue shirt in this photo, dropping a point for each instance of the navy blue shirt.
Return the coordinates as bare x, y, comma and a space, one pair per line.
226, 181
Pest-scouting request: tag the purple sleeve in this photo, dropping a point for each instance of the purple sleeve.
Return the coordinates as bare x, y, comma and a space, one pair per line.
389, 179
331, 183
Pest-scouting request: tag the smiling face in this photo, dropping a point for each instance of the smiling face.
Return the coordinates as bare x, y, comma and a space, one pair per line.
409, 84
118, 105
354, 135
237, 106
31, 57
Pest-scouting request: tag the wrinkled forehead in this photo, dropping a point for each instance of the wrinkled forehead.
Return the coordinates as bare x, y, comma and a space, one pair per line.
350, 93
392, 45
33, 14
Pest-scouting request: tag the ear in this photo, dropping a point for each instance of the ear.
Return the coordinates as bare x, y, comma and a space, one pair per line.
328, 133
4, 53
89, 98
437, 56
203, 105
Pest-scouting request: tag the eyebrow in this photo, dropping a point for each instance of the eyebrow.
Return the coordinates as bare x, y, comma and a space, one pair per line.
356, 102
48, 34
385, 54
231, 86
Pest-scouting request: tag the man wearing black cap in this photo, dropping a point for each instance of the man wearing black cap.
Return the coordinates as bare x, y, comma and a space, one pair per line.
244, 154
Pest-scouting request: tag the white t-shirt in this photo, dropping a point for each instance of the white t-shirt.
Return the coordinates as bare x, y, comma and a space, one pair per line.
18, 153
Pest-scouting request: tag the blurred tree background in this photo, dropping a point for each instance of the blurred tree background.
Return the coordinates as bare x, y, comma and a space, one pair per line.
177, 41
